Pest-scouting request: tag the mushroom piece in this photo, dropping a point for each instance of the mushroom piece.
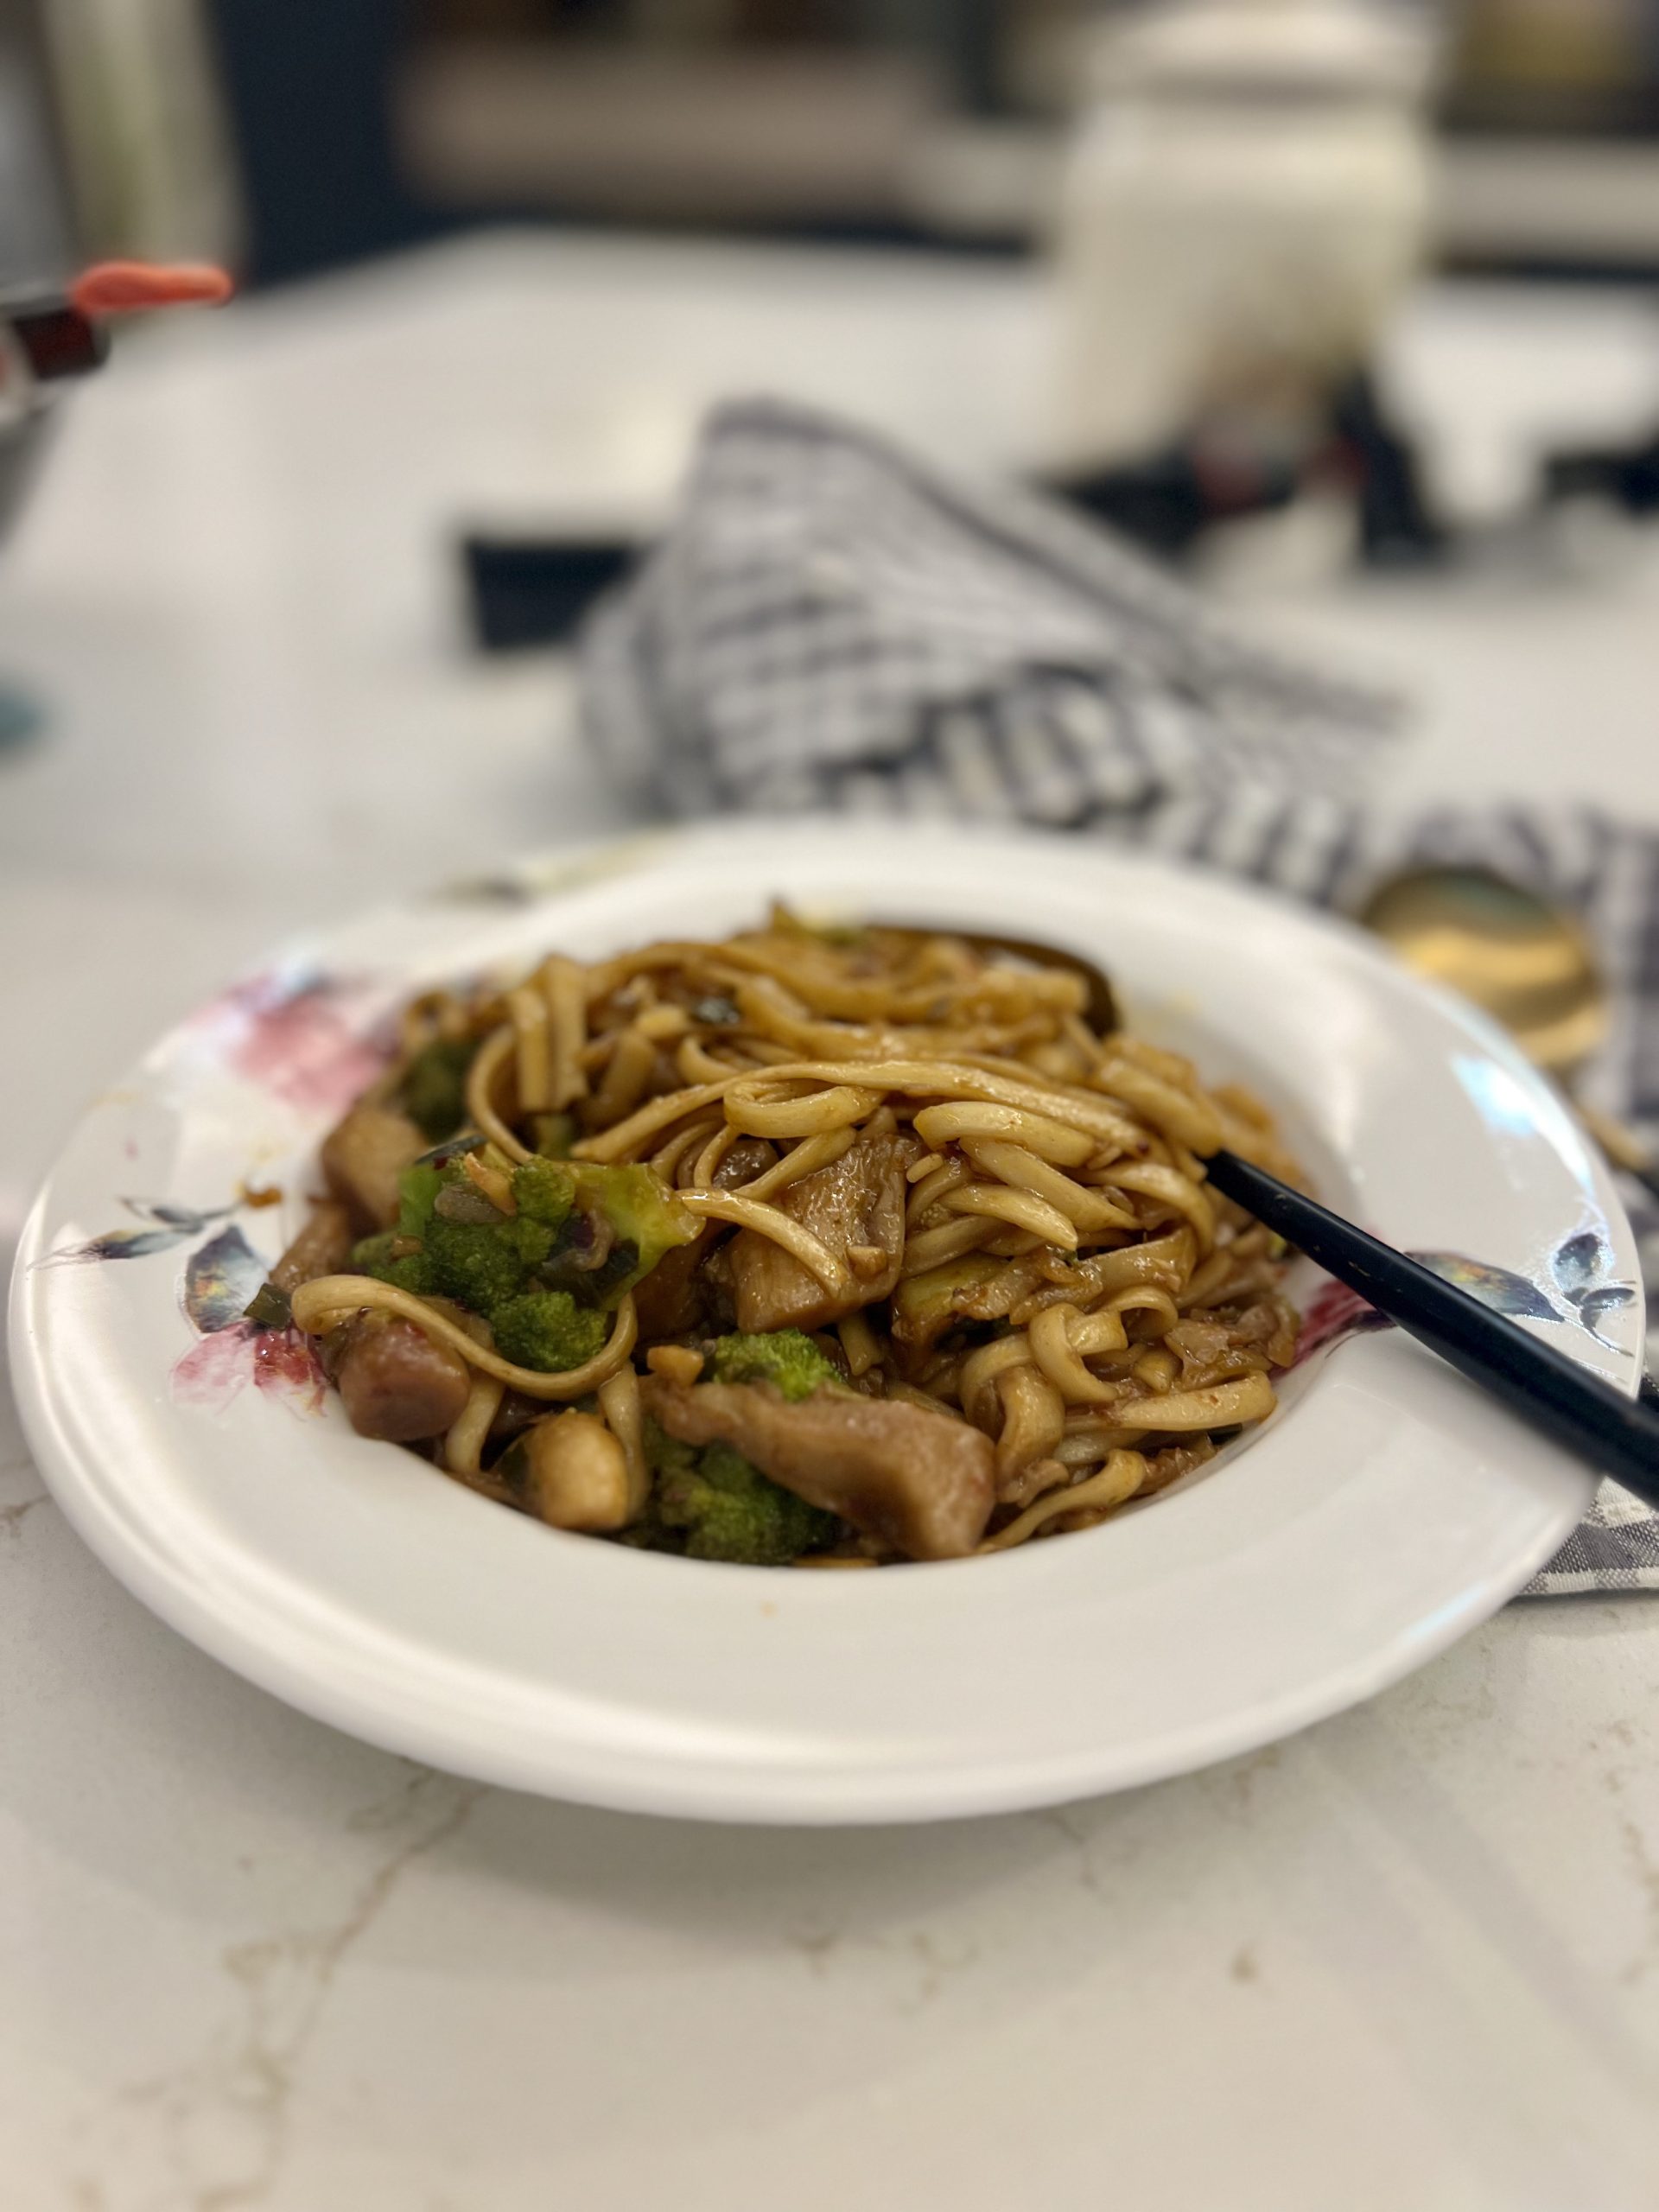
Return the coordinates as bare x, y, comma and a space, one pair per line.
856, 1207
397, 1382
323, 1247
572, 1472
672, 1301
363, 1157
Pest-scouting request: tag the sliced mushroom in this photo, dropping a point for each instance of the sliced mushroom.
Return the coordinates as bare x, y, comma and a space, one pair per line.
323, 1247
397, 1384
671, 1301
856, 1207
748, 1157
363, 1157
571, 1472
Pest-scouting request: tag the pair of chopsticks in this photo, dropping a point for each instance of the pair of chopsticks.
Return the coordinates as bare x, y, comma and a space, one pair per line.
1616, 1436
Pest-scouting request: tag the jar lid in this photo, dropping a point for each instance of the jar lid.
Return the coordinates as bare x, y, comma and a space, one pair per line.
1245, 47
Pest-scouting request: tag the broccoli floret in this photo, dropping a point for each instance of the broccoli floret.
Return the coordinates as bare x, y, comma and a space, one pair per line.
482, 1259
477, 1263
472, 1262
713, 1504
532, 1240
790, 1361
413, 1273
728, 1510
547, 1329
644, 1212
434, 1088
544, 1191
418, 1194
665, 1454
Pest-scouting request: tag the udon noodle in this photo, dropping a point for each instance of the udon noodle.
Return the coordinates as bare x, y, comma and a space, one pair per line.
811, 1246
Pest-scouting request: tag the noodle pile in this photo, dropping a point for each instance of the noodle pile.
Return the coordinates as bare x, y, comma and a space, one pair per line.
1062, 1278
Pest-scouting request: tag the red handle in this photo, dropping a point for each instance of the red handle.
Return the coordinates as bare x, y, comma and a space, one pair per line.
127, 287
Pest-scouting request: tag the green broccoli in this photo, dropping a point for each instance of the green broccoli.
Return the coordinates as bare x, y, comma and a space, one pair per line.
665, 1454
713, 1504
642, 1209
790, 1362
532, 1240
457, 1245
418, 1194
547, 1329
434, 1088
477, 1263
480, 1263
413, 1272
728, 1510
543, 1190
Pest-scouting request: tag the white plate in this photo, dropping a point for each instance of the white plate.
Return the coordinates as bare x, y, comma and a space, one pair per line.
1385, 1509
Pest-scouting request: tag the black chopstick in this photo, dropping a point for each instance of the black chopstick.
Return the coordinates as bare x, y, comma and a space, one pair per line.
1575, 1409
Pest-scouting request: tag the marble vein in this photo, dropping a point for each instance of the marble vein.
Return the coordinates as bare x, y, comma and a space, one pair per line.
225, 2116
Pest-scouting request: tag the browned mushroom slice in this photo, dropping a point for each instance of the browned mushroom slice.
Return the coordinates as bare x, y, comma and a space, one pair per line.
397, 1384
856, 1207
671, 1301
571, 1473
322, 1248
676, 1297
923, 1482
362, 1158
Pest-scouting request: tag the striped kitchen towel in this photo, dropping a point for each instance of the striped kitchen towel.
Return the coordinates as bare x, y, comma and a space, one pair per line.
830, 625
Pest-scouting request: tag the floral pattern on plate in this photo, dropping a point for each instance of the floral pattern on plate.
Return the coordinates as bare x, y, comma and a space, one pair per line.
313, 1039
1580, 1277
231, 1351
220, 1277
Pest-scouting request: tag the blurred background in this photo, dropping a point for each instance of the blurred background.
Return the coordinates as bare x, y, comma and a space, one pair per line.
1348, 306
1227, 199
309, 134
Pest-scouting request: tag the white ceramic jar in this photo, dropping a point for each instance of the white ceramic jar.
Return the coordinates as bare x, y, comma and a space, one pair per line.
1245, 195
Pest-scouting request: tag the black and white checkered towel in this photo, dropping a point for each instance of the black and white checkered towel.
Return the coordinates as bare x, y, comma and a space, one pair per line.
830, 625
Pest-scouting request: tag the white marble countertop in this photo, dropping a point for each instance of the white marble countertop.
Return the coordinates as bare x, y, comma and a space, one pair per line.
1410, 1958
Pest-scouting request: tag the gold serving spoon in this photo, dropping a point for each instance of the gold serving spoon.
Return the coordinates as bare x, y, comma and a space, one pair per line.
1527, 964
1100, 1005
1524, 962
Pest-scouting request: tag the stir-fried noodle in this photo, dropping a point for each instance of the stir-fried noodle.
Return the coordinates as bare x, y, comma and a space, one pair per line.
807, 1246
